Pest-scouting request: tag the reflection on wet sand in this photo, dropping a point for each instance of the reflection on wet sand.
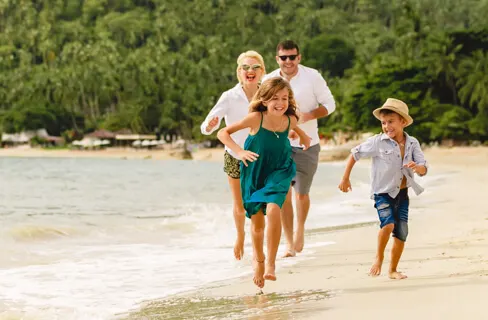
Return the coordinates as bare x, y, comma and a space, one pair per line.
262, 306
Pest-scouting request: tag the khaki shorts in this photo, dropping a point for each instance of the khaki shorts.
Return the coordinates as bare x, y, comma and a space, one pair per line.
306, 163
232, 166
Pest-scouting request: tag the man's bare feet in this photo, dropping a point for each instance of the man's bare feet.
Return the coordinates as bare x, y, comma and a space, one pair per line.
376, 268
397, 275
258, 278
289, 253
270, 272
239, 247
299, 240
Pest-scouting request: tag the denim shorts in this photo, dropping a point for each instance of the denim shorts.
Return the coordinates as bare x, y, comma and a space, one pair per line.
394, 210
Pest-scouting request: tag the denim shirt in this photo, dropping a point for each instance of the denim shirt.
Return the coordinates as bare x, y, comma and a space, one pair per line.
387, 169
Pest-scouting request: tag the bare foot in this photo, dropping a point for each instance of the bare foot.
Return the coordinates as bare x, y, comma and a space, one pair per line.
289, 253
270, 272
258, 278
239, 247
299, 240
376, 268
397, 275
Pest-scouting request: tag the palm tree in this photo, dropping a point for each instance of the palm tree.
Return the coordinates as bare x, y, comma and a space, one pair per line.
473, 81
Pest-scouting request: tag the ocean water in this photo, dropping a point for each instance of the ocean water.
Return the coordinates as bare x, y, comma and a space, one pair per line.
92, 238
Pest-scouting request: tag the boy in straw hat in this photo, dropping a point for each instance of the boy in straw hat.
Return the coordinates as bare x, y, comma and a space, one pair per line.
396, 156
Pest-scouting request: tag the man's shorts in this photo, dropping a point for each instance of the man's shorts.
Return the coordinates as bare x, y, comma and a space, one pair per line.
394, 210
306, 162
232, 166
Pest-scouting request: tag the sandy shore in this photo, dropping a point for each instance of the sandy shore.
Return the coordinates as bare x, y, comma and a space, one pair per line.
446, 260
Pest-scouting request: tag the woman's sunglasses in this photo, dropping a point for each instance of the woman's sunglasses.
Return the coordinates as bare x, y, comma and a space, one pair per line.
291, 56
254, 67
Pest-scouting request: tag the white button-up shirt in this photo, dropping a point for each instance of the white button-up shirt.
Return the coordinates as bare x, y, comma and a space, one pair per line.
310, 91
387, 168
233, 106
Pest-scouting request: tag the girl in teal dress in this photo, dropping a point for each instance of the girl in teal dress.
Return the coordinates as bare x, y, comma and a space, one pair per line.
267, 167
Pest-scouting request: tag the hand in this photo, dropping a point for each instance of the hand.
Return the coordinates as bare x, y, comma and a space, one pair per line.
305, 142
246, 155
411, 165
345, 185
212, 124
292, 135
304, 117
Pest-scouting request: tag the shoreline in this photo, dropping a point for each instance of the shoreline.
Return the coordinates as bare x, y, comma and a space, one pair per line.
446, 259
327, 154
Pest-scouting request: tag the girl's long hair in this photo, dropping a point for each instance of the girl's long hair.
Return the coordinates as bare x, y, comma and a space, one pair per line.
268, 90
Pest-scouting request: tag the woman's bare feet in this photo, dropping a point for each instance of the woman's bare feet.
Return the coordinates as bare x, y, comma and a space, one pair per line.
270, 272
376, 267
258, 278
239, 247
397, 275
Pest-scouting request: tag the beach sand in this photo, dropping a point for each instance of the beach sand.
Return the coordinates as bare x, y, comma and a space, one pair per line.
445, 258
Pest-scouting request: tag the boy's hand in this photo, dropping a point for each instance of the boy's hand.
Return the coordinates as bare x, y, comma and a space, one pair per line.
247, 155
411, 165
345, 185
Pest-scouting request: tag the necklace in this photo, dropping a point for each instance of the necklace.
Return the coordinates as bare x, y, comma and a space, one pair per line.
274, 131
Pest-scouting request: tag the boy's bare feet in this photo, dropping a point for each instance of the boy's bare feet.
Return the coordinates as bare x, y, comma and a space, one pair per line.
258, 278
376, 267
270, 272
239, 247
289, 253
397, 275
299, 240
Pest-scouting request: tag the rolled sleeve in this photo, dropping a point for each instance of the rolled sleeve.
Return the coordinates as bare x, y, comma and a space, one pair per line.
219, 110
323, 93
367, 149
418, 156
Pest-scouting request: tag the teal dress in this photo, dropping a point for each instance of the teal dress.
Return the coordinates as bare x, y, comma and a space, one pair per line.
268, 179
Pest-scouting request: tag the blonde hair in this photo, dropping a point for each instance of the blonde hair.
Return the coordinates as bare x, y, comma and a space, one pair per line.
268, 90
250, 54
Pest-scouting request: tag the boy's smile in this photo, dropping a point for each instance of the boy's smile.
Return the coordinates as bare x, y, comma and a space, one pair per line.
392, 125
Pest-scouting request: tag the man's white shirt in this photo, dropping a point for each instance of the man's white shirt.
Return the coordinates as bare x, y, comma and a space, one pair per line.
310, 91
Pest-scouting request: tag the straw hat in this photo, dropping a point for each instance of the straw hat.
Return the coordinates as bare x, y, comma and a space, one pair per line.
396, 105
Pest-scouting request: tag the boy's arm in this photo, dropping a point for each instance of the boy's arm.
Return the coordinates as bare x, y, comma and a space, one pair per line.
345, 185
223, 135
419, 164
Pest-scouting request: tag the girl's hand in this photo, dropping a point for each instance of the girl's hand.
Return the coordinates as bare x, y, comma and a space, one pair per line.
292, 135
246, 155
305, 142
345, 185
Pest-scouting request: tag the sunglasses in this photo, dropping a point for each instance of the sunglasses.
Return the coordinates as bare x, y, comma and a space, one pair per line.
254, 67
291, 56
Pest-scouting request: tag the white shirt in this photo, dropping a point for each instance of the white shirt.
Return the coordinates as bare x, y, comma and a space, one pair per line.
310, 91
388, 169
233, 106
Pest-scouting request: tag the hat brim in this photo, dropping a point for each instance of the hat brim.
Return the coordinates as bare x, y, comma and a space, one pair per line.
405, 116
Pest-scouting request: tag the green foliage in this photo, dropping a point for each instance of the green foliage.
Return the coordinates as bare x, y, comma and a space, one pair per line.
72, 66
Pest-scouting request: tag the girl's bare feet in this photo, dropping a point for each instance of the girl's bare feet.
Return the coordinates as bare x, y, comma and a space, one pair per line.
239, 247
270, 272
258, 272
397, 275
289, 253
376, 267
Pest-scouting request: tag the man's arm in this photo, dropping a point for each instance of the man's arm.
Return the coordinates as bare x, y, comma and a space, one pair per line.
325, 100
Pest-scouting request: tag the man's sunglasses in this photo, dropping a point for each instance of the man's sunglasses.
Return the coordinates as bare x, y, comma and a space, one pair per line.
254, 67
291, 56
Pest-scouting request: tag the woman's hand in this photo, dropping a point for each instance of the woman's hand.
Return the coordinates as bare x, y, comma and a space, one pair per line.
212, 123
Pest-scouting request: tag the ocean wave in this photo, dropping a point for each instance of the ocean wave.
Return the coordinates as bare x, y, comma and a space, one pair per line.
32, 233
